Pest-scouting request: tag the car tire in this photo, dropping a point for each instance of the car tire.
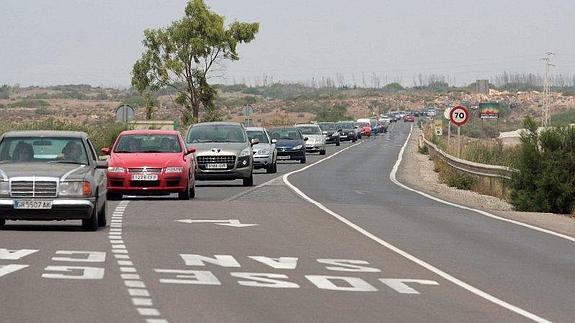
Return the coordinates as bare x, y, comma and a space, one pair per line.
337, 143
102, 221
322, 152
249, 181
193, 191
185, 195
91, 224
272, 168
2, 223
302, 161
113, 196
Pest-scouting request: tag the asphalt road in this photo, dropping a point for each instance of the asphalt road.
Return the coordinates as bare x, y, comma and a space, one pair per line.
276, 257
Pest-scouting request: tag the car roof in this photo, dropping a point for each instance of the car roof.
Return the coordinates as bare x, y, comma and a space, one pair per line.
149, 131
46, 133
217, 123
255, 129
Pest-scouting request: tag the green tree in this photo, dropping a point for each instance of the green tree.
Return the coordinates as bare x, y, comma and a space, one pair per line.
181, 55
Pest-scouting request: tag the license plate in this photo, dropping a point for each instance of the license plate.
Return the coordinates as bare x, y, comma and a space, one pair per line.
144, 177
284, 157
216, 166
32, 205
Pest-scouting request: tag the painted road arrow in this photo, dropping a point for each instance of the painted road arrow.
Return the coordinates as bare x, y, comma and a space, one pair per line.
230, 223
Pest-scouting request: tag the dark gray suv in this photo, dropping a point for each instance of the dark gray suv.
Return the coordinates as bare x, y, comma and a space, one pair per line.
223, 151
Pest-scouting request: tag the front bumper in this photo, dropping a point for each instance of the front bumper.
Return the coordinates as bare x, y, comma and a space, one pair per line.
165, 184
261, 161
332, 139
62, 209
291, 155
314, 148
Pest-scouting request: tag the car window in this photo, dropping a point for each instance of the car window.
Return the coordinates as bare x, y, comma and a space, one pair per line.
286, 134
216, 133
148, 143
346, 125
92, 150
43, 150
259, 135
310, 130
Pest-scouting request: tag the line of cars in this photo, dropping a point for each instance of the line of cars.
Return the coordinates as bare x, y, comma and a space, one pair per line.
57, 175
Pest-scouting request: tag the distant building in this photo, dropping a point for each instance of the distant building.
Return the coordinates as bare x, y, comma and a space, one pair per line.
482, 86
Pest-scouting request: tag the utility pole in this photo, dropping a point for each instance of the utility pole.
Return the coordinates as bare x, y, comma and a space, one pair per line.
547, 90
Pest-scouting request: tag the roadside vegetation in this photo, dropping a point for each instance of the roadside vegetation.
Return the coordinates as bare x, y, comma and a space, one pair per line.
101, 134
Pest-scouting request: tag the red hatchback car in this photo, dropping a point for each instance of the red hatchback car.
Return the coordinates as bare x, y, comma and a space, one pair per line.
409, 118
150, 162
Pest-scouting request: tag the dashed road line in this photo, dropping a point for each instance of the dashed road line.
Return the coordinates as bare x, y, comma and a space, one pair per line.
407, 255
139, 294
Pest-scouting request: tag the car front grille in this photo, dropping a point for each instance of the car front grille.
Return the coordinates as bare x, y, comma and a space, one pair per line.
145, 170
34, 189
202, 161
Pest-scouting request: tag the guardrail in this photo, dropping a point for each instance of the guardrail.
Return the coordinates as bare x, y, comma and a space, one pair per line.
484, 170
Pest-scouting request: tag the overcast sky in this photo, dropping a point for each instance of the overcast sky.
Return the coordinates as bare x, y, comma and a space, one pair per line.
97, 41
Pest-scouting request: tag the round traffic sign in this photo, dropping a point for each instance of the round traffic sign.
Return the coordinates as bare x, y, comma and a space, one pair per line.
459, 115
447, 113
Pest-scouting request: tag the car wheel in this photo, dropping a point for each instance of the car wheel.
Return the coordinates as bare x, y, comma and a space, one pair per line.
249, 181
272, 168
113, 196
337, 143
302, 161
322, 152
185, 195
2, 223
193, 191
102, 216
91, 224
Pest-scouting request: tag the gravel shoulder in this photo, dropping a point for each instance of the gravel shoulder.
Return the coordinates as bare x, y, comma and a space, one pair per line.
416, 171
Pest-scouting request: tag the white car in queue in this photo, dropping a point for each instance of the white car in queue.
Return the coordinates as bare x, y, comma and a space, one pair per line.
316, 139
265, 152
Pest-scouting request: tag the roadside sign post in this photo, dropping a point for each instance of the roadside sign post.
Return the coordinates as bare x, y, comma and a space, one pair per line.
446, 114
125, 113
247, 112
459, 116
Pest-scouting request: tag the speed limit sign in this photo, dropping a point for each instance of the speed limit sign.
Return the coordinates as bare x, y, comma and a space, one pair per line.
459, 115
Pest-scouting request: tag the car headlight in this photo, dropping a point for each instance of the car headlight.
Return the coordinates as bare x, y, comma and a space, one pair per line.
171, 170
75, 189
297, 147
116, 169
4, 188
245, 152
264, 152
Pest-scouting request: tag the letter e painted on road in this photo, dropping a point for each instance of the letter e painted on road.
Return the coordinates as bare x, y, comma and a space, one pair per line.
8, 269
264, 280
353, 284
348, 265
277, 263
6, 254
85, 272
401, 287
220, 260
189, 277
92, 256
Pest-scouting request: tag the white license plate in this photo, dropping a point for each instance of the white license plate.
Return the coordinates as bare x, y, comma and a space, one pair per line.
144, 177
284, 157
32, 205
216, 166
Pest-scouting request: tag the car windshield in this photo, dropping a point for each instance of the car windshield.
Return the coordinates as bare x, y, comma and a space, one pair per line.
327, 126
216, 133
363, 124
286, 134
310, 130
346, 125
259, 135
43, 150
148, 143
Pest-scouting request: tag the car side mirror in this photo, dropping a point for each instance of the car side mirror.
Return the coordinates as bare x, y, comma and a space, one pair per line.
305, 138
105, 151
255, 141
102, 164
190, 150
274, 141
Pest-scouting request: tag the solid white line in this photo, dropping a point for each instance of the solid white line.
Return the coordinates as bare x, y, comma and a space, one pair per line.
393, 178
408, 256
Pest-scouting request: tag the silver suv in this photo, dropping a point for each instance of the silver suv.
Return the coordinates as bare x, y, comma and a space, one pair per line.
223, 151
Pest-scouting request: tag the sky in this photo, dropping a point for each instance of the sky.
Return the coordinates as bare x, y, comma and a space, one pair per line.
97, 41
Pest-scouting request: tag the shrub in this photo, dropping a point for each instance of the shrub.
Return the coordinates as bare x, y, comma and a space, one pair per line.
453, 177
546, 163
423, 150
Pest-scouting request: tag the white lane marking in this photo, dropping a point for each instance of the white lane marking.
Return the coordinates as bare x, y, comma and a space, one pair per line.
271, 181
393, 178
406, 255
139, 295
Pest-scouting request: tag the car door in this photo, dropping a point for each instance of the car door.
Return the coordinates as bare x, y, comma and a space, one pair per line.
99, 174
